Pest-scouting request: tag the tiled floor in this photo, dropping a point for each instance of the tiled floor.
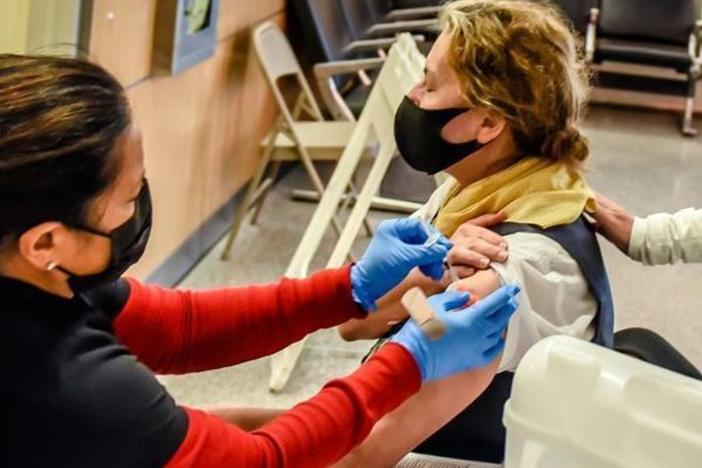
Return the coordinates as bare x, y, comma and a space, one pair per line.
639, 159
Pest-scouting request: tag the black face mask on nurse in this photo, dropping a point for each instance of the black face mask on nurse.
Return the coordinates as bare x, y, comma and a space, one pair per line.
419, 141
128, 242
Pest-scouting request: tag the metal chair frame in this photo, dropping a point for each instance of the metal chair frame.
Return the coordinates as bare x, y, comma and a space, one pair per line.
403, 68
290, 139
685, 89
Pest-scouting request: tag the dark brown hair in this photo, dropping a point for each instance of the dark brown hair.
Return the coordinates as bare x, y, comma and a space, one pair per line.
59, 121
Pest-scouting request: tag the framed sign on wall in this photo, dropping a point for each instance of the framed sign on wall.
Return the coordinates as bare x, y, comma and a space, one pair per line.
185, 34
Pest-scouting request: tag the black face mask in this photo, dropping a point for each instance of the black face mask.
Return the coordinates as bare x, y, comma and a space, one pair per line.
419, 141
128, 244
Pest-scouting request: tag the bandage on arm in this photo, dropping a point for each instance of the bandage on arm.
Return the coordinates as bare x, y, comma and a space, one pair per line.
390, 309
434, 406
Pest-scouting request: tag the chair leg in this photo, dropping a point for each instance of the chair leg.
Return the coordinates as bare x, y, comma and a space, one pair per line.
259, 203
687, 128
352, 185
250, 196
317, 183
354, 194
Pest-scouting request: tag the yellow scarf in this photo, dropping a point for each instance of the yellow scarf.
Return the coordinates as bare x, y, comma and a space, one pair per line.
534, 190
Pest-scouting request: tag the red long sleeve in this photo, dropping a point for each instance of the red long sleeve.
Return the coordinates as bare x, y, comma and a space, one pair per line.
317, 432
180, 331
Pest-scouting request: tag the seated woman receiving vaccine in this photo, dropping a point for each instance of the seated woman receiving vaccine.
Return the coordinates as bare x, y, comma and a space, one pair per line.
498, 111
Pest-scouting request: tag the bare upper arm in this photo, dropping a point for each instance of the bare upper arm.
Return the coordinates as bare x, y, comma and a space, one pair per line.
479, 285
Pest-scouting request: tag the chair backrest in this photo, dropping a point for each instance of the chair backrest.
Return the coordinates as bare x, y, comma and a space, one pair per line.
578, 11
415, 3
668, 21
277, 59
326, 27
402, 70
377, 9
361, 15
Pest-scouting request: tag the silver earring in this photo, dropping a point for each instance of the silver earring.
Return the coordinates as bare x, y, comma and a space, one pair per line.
50, 266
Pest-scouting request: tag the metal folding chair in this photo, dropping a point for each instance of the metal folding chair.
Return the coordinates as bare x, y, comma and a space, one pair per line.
403, 68
291, 139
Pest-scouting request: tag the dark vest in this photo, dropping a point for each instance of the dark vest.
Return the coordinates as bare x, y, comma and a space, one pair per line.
477, 433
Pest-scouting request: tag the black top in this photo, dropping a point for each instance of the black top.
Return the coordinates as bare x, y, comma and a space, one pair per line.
71, 395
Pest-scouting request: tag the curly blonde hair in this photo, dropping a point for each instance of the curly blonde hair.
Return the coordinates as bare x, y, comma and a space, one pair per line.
521, 59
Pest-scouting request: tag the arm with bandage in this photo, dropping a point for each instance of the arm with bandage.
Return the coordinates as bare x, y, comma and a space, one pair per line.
434, 406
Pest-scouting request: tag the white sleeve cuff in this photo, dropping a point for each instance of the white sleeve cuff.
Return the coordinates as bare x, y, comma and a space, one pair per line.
637, 241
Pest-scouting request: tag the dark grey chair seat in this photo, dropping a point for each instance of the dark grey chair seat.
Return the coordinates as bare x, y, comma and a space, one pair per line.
415, 3
646, 53
649, 346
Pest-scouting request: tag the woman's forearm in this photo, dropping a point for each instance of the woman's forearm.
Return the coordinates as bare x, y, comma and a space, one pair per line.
415, 420
223, 327
434, 406
248, 419
316, 432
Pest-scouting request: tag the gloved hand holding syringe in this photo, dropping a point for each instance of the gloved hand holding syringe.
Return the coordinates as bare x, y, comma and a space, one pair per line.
416, 302
433, 236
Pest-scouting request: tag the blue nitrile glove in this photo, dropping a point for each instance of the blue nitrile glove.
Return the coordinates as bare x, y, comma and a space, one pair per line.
397, 247
473, 335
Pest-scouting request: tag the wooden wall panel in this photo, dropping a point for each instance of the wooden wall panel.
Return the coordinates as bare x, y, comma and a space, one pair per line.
121, 35
235, 15
201, 139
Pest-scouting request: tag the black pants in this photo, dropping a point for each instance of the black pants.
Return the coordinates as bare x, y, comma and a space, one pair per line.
477, 432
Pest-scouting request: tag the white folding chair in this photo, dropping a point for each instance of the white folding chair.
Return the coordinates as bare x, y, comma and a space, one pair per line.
403, 68
291, 139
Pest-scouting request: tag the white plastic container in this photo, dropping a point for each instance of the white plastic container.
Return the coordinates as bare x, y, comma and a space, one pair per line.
578, 405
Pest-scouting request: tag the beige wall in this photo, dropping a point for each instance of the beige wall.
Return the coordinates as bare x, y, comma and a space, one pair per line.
38, 26
53, 26
200, 135
14, 19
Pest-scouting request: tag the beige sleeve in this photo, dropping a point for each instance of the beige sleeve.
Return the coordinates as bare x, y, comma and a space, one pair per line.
667, 238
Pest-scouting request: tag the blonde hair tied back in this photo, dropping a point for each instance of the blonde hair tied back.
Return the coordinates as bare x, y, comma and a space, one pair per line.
521, 59
567, 143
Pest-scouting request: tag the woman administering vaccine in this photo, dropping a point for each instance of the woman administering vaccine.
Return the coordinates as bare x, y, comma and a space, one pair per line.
79, 346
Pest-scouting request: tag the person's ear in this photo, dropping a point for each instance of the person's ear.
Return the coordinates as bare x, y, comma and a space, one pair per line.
40, 244
492, 126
